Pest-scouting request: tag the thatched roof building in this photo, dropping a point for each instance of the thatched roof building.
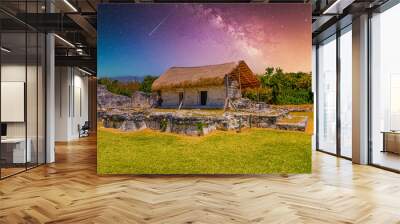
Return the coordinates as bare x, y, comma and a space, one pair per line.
188, 86
187, 77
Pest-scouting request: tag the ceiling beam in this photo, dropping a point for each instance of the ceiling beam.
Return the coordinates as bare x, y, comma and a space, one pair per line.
84, 24
76, 61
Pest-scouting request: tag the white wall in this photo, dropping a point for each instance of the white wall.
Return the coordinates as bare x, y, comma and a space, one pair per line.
10, 73
80, 105
33, 126
71, 102
215, 97
61, 111
16, 73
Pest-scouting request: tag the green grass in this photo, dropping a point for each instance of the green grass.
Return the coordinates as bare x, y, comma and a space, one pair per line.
253, 151
310, 122
292, 120
194, 112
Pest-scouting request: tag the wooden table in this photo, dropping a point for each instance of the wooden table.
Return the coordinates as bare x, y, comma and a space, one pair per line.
391, 141
13, 150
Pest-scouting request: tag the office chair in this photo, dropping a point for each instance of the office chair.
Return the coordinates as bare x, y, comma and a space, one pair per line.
84, 130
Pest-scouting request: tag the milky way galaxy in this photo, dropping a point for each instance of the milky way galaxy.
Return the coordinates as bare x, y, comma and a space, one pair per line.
146, 39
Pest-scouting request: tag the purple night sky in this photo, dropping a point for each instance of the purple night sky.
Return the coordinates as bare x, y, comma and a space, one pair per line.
146, 39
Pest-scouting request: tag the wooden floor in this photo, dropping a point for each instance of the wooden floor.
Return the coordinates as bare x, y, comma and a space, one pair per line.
69, 191
387, 159
5, 172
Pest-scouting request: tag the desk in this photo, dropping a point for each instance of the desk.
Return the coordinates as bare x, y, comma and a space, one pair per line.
13, 150
391, 141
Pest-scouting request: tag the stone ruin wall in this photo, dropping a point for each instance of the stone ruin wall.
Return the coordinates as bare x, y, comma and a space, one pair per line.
193, 125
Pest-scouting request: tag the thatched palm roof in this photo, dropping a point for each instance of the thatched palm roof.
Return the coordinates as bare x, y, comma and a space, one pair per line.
208, 75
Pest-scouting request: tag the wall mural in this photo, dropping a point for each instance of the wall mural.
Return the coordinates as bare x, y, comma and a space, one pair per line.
204, 88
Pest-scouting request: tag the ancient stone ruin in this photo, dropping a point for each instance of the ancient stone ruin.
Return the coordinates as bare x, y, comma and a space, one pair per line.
137, 113
186, 124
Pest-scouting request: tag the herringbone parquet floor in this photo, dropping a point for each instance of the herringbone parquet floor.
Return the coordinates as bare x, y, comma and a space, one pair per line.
69, 191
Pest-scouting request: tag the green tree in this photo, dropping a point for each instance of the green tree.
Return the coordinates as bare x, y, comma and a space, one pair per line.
279, 87
145, 86
269, 71
117, 87
278, 71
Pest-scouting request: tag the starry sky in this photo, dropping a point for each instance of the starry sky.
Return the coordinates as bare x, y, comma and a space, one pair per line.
147, 39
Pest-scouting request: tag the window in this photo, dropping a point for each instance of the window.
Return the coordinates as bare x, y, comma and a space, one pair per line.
346, 93
385, 89
22, 76
327, 96
334, 94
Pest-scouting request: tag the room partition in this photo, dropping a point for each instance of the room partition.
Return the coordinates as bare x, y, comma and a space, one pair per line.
334, 93
22, 88
384, 89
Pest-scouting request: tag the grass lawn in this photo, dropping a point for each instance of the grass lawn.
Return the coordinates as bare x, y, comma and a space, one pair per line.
195, 112
253, 151
310, 123
293, 119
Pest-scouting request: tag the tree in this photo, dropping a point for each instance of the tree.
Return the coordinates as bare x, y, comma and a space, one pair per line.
132, 86
278, 71
115, 86
145, 86
283, 87
269, 71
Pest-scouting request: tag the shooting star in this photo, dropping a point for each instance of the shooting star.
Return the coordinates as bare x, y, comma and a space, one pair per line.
162, 21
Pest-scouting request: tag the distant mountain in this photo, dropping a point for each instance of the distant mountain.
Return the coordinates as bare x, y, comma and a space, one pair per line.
128, 78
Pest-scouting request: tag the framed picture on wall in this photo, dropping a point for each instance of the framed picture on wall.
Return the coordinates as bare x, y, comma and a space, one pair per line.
204, 88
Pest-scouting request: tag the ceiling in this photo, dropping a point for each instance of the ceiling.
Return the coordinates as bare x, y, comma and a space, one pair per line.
75, 21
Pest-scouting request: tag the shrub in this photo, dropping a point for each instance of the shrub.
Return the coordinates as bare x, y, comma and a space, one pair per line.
259, 94
163, 124
294, 96
200, 127
145, 86
283, 88
120, 88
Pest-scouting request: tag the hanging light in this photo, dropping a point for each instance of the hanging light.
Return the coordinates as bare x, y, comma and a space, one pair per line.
70, 5
84, 71
64, 40
5, 50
